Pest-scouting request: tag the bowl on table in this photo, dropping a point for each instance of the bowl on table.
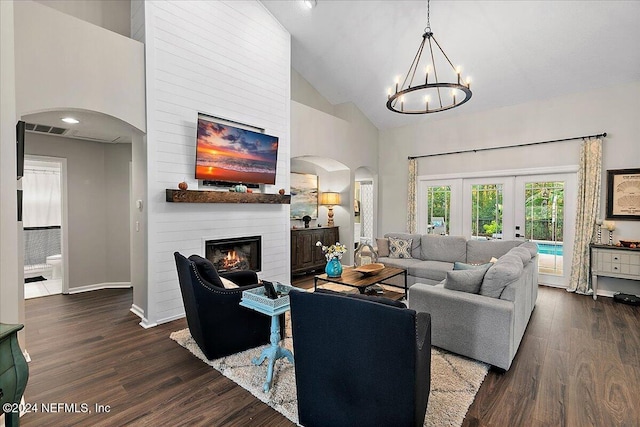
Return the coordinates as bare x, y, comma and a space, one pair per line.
630, 243
370, 269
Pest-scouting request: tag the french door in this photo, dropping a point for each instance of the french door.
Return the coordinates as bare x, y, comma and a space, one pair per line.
508, 205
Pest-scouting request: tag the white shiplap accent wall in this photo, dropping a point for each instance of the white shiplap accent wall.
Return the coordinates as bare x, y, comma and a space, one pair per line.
229, 59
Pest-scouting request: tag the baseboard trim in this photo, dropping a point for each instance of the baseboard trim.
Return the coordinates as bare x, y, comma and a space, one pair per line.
146, 324
99, 286
137, 311
170, 319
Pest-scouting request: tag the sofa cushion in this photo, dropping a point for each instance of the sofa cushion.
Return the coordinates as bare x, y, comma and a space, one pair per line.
432, 270
443, 248
206, 270
531, 246
400, 248
481, 251
383, 246
415, 241
465, 280
398, 262
505, 271
523, 253
464, 266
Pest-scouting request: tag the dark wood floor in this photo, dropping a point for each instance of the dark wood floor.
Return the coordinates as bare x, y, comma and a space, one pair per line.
578, 365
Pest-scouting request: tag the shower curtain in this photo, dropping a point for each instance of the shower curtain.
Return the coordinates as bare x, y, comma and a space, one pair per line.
41, 214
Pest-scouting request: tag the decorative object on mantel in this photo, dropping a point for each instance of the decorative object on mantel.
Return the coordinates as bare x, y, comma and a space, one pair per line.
329, 199
599, 224
333, 255
623, 194
199, 196
241, 188
281, 191
421, 105
610, 225
183, 185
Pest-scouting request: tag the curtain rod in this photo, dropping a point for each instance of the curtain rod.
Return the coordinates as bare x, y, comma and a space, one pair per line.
507, 146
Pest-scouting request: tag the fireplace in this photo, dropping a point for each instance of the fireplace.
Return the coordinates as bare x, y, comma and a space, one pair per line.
241, 253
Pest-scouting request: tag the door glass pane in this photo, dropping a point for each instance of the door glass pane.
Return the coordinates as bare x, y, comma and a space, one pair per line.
486, 212
544, 221
438, 209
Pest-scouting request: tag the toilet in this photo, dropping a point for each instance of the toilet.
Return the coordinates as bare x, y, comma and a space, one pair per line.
56, 262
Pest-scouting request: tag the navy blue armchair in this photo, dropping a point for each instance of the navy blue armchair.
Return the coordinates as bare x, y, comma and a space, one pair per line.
359, 361
218, 324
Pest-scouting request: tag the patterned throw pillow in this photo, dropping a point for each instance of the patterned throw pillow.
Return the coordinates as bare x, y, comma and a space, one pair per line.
400, 248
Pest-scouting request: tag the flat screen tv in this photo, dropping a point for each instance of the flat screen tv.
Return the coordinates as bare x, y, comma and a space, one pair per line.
231, 154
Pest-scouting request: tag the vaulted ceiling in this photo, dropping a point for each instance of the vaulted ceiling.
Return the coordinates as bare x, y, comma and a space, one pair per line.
514, 51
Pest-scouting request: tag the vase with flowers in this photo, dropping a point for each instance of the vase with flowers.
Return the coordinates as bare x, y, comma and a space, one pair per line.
333, 255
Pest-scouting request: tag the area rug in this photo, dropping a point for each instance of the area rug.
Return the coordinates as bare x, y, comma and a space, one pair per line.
455, 380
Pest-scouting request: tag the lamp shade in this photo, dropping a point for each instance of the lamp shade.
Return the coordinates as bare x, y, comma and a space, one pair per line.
330, 198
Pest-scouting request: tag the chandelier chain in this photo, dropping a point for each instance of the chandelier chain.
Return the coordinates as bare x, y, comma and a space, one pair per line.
428, 29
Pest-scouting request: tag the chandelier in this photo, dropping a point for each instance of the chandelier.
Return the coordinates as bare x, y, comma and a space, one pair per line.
428, 94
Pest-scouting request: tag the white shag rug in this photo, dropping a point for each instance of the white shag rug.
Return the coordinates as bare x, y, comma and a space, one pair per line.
455, 380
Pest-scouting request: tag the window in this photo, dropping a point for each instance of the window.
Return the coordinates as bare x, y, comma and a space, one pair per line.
486, 211
438, 209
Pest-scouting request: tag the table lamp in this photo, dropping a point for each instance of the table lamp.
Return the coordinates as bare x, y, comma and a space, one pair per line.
329, 199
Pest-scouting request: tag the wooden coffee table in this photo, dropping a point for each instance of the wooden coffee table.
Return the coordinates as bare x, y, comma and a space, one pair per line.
357, 280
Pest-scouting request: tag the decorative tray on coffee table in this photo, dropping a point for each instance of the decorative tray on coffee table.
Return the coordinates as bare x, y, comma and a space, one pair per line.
370, 269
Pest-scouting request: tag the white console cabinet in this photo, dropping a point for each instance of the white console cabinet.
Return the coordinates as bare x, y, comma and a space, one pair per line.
614, 261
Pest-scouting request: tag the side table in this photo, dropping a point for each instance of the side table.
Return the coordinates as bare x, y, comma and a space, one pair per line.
256, 300
14, 373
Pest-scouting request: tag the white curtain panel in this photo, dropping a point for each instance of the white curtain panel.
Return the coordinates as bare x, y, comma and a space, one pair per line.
41, 199
411, 196
588, 207
366, 211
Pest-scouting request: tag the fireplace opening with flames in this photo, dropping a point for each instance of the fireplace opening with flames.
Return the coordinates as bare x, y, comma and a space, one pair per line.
242, 253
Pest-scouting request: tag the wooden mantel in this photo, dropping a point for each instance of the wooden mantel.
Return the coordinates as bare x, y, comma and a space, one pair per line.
197, 196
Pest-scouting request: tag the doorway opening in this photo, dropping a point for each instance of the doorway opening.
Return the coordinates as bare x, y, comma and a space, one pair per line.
44, 228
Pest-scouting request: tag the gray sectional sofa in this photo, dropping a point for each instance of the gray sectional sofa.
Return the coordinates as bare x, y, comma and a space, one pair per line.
487, 322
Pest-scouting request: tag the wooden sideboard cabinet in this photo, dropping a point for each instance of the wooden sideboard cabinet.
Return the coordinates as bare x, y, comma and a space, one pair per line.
305, 255
613, 261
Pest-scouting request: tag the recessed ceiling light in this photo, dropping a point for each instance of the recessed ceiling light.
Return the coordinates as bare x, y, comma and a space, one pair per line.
70, 120
310, 4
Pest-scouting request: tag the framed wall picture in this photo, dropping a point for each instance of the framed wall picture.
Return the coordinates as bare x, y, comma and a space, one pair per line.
623, 194
304, 195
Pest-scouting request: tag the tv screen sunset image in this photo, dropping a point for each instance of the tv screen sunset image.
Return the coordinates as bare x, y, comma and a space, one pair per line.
228, 153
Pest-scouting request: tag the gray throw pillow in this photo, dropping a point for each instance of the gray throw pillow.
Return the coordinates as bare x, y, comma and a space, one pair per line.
383, 246
523, 253
400, 248
465, 280
504, 272
464, 266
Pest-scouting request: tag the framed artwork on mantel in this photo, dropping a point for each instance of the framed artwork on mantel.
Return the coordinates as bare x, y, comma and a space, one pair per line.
623, 194
304, 195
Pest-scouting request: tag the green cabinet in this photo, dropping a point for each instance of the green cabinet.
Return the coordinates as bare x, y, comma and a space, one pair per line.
14, 372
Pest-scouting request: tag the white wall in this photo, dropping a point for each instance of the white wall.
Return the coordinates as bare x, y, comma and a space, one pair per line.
113, 15
11, 277
614, 110
228, 59
66, 63
98, 206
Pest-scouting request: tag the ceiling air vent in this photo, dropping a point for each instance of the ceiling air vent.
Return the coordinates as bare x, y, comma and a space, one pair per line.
45, 129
